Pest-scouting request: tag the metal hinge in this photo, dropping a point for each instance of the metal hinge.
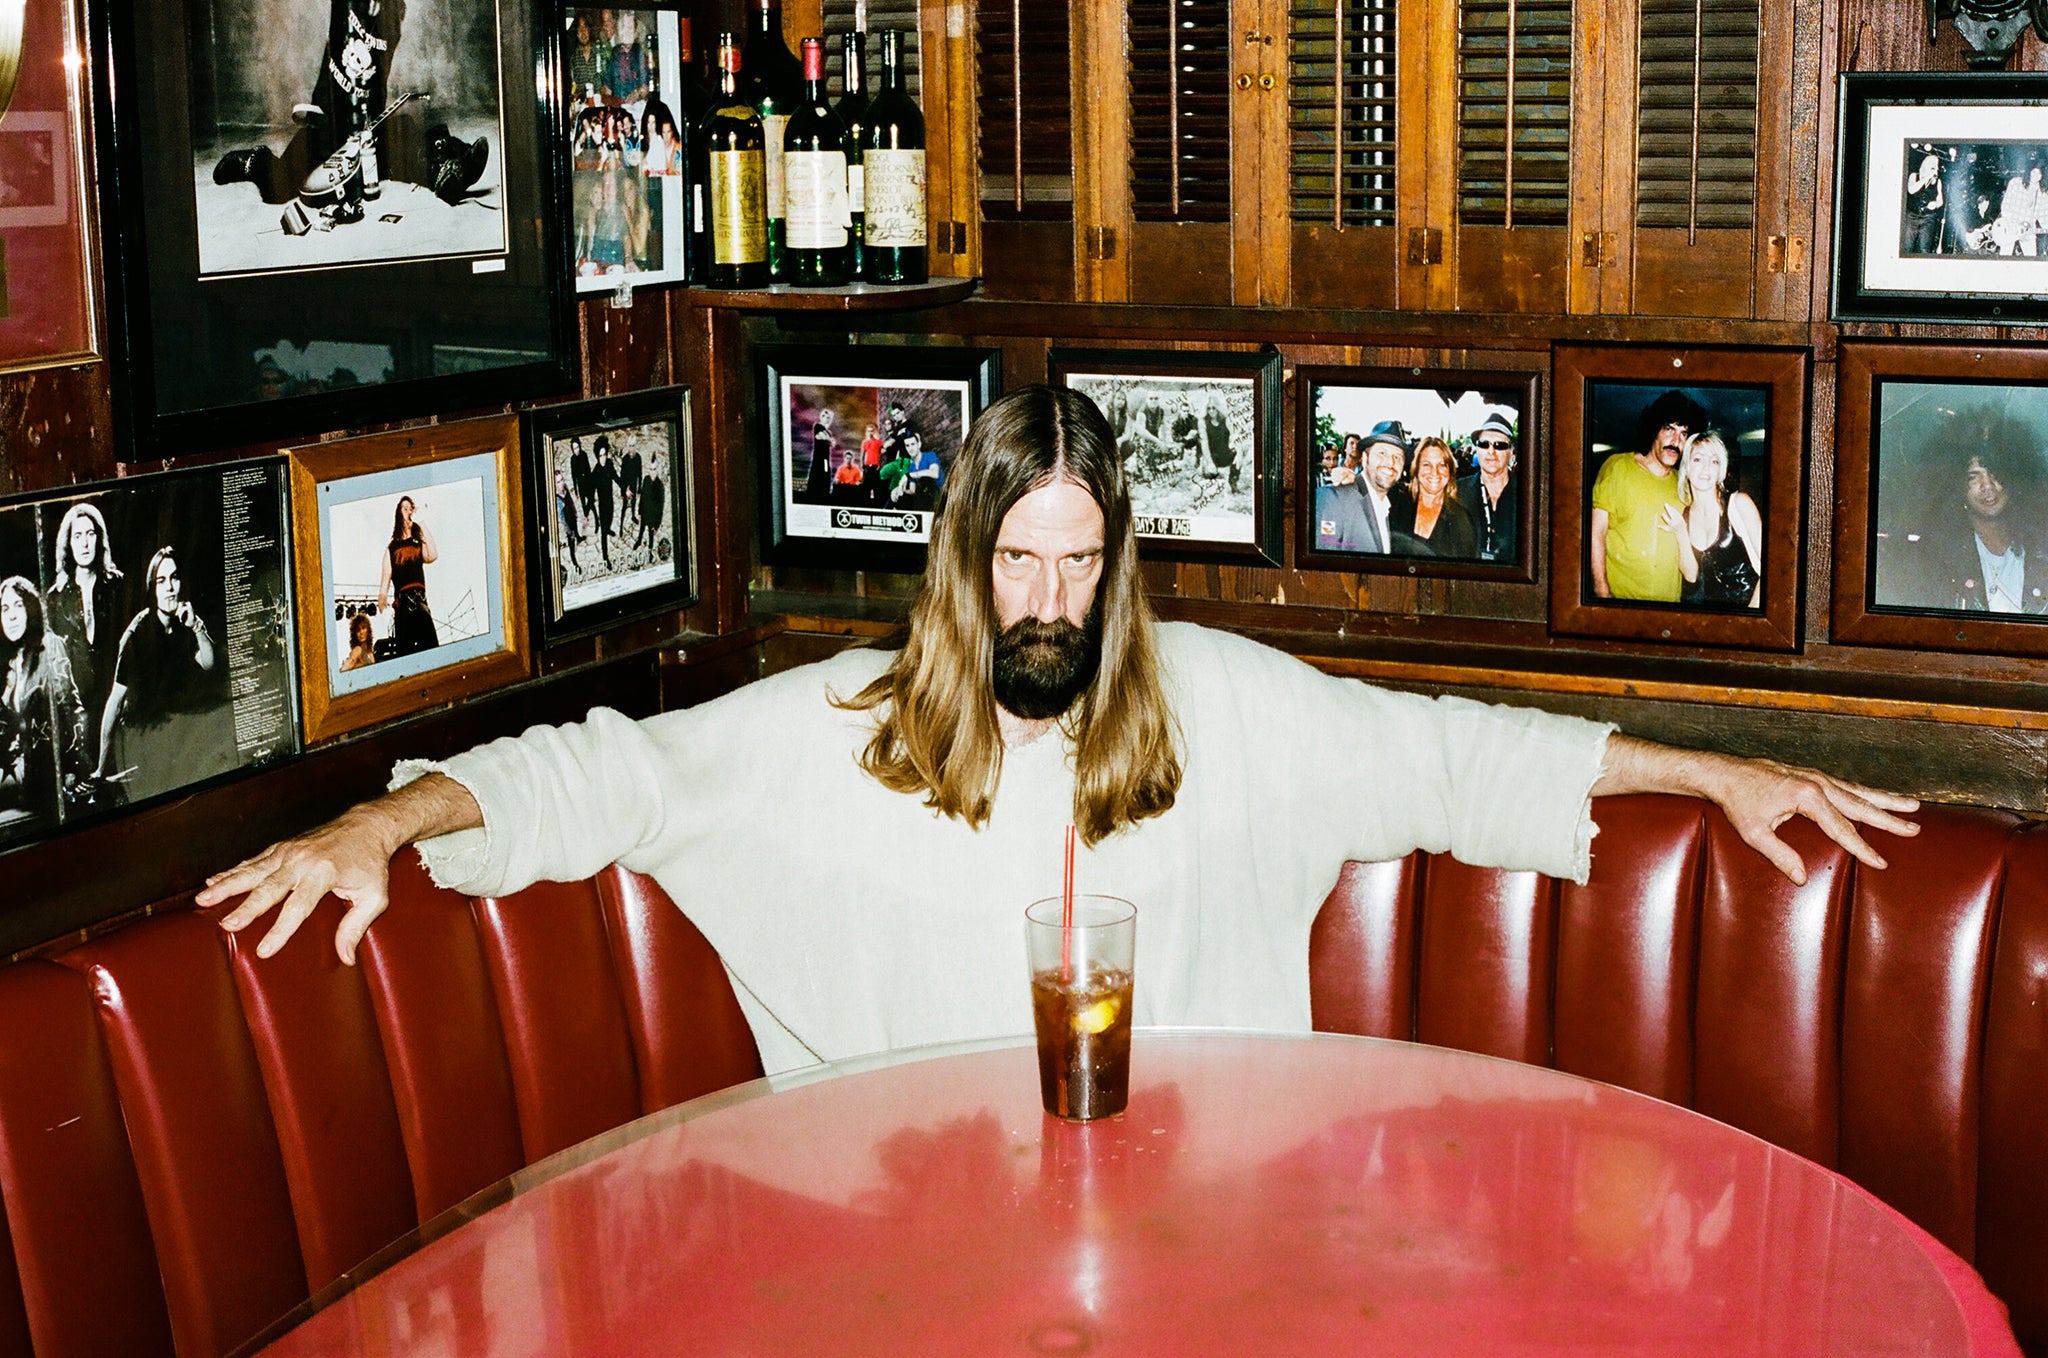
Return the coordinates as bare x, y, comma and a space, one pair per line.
1101, 242
1425, 245
950, 238
1785, 254
1596, 249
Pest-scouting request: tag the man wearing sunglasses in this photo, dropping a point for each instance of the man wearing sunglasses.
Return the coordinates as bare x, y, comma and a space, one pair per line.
1488, 492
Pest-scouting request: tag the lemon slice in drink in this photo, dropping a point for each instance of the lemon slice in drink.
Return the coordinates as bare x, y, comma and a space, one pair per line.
1095, 1017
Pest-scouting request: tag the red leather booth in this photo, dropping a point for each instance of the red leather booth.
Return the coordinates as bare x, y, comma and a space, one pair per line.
193, 1141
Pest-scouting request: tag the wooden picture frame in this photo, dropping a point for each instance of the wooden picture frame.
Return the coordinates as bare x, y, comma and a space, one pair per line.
1938, 190
1363, 411
1188, 499
464, 586
49, 304
1910, 422
581, 582
619, 193
872, 521
145, 639
1603, 397
269, 277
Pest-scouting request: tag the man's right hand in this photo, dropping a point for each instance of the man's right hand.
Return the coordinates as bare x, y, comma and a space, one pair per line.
347, 857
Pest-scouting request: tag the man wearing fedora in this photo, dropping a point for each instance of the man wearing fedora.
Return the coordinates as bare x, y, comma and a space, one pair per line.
1488, 491
1353, 518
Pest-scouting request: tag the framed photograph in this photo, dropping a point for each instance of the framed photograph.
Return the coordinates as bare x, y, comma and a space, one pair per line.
1680, 489
1419, 471
49, 313
611, 510
1200, 434
1941, 498
411, 569
859, 439
627, 199
1940, 208
307, 207
145, 641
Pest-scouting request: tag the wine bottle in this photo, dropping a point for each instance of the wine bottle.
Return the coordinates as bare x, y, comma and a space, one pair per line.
814, 182
778, 89
853, 116
693, 104
737, 179
892, 164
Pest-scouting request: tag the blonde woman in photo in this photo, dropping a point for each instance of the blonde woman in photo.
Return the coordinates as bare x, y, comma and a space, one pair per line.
1720, 535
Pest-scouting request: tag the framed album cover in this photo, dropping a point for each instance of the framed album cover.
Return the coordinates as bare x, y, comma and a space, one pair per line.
49, 313
1941, 498
145, 641
628, 208
1419, 471
859, 439
1941, 213
1680, 492
308, 206
611, 511
411, 569
1200, 435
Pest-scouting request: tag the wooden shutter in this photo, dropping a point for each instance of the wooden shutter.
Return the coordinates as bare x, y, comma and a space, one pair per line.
844, 16
1341, 108
1696, 114
1514, 112
1180, 110
1025, 109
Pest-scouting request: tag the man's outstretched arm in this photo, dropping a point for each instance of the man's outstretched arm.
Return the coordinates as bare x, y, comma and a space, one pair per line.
350, 857
1759, 795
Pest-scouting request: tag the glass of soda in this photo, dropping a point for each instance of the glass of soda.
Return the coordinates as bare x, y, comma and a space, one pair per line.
1081, 1003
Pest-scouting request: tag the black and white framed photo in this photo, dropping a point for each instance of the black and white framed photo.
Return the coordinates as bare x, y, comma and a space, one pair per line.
1680, 493
145, 641
1941, 498
308, 203
1941, 211
1419, 471
611, 511
1200, 437
859, 441
625, 100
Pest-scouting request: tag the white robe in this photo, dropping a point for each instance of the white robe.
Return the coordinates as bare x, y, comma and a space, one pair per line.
854, 919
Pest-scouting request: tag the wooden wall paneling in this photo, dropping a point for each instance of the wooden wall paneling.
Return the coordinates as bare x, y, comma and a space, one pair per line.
953, 185
627, 348
1600, 254
1181, 263
1259, 189
1426, 156
1102, 133
56, 428
716, 365
1820, 502
1789, 154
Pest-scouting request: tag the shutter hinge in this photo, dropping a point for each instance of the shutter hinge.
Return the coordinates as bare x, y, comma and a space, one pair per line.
1596, 249
1425, 245
950, 238
1785, 254
1101, 242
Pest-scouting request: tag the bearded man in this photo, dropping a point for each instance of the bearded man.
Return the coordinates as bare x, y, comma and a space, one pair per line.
1032, 690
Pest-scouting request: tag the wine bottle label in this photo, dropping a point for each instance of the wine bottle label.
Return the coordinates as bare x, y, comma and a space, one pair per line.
814, 199
739, 230
895, 198
771, 137
856, 187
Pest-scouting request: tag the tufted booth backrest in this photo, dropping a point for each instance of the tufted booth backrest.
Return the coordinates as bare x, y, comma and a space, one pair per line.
1891, 1025
192, 1141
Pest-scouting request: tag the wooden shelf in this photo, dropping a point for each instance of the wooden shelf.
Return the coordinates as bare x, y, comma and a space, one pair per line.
852, 297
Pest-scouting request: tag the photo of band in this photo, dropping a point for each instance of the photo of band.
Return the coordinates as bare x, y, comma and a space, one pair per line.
409, 561
1974, 198
614, 511
1678, 493
625, 146
1961, 489
866, 460
144, 641
1418, 471
1190, 450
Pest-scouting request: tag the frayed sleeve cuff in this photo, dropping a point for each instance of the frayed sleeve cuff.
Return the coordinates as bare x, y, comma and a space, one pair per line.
461, 861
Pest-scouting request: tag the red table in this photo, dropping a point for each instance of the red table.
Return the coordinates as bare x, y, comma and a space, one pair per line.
1263, 1194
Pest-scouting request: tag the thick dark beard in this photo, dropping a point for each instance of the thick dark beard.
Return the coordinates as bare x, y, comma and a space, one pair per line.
1041, 667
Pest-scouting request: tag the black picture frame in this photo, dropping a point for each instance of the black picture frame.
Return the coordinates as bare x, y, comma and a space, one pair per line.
865, 526
242, 311
1446, 404
223, 533
1910, 419
1913, 246
1604, 397
572, 594
1178, 484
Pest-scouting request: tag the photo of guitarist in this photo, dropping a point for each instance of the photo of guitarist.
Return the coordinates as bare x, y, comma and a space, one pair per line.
350, 97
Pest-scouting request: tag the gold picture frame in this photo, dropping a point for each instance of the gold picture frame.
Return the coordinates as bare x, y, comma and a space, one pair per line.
429, 611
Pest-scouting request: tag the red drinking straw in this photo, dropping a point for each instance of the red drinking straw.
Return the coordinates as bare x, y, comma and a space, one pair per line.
1067, 912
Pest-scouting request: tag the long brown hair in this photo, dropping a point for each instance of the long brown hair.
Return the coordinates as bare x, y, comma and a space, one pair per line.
937, 733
